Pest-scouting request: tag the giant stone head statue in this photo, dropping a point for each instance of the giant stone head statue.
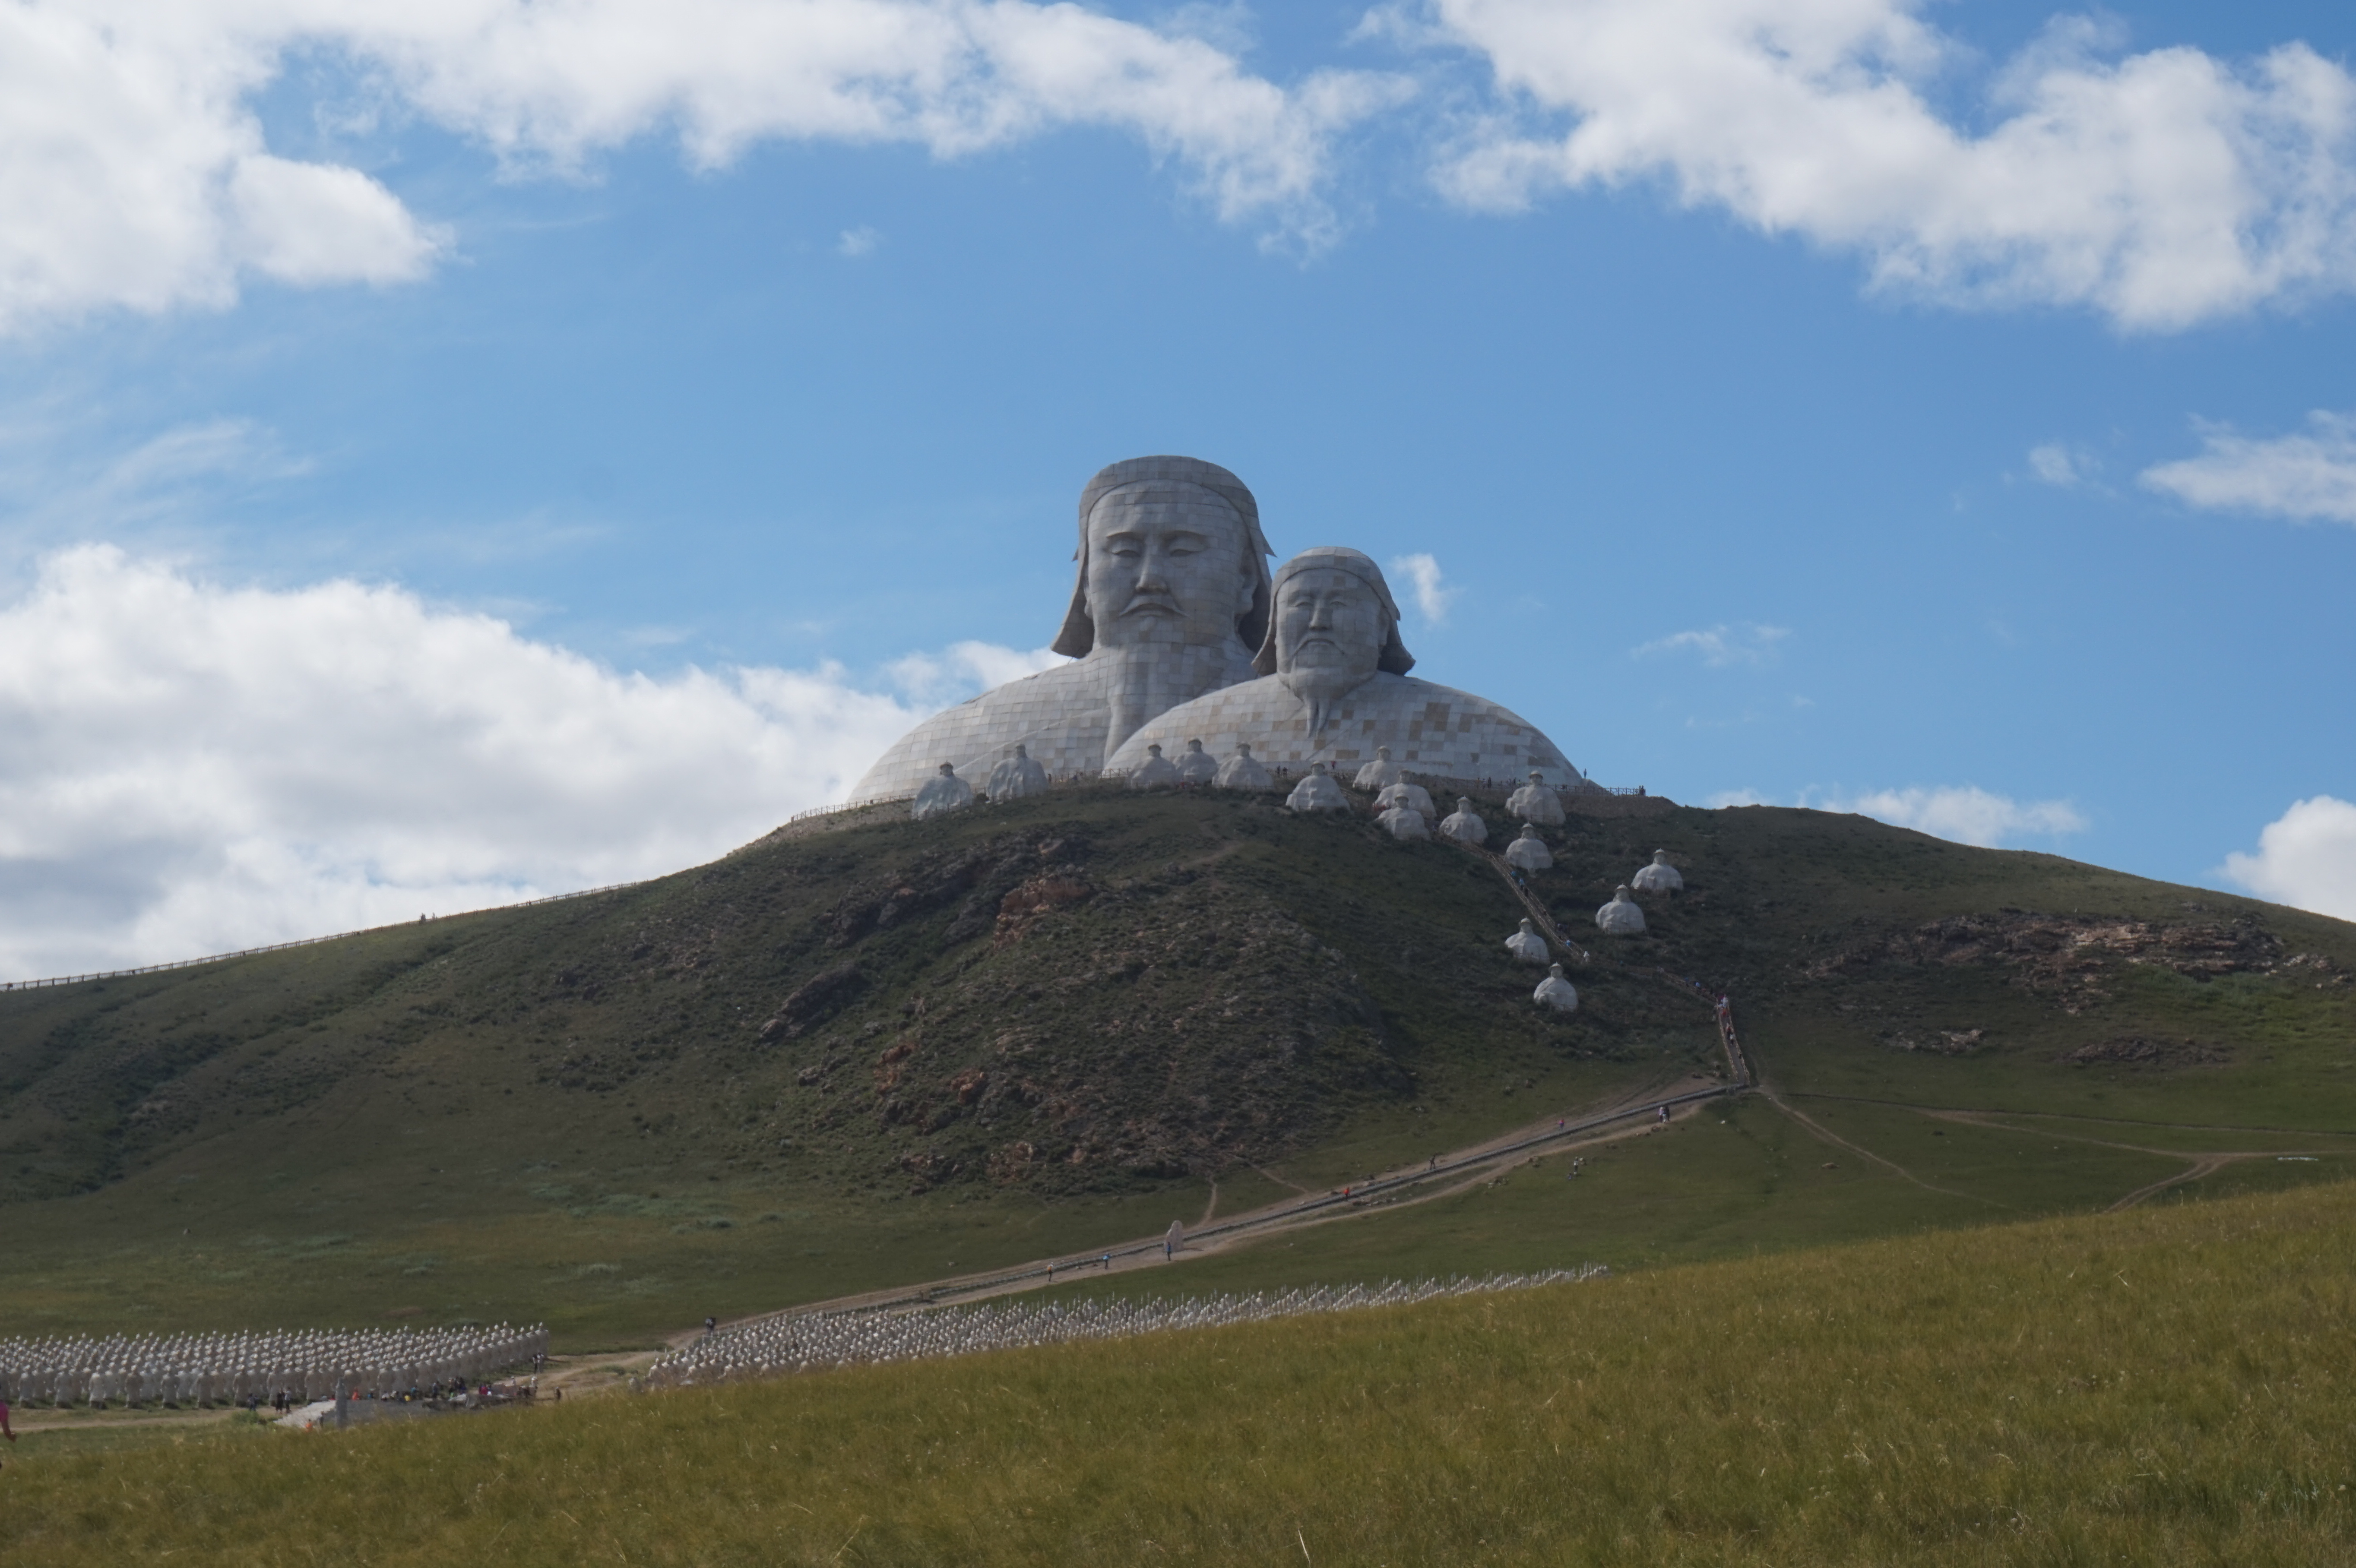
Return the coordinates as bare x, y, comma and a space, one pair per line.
1332, 623
1332, 614
1170, 551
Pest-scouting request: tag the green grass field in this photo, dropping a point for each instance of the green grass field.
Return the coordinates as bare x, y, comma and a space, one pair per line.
2172, 1384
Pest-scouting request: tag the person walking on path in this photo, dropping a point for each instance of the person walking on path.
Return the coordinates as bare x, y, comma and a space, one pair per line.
5, 1430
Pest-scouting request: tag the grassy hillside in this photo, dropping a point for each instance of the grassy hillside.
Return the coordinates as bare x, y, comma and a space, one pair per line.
850, 1059
2165, 1386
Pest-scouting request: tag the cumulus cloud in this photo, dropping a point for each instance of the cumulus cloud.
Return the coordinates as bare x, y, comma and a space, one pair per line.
136, 173
963, 668
2304, 476
2161, 189
1966, 814
1433, 598
2307, 858
187, 768
1721, 645
857, 242
2061, 465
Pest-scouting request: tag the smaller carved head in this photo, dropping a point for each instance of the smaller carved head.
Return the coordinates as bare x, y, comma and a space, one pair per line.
1332, 613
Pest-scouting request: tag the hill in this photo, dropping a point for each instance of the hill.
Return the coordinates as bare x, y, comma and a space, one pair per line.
2165, 1386
888, 1050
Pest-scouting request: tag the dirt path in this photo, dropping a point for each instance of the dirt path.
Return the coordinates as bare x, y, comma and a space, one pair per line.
2199, 1164
1439, 1177
1826, 1135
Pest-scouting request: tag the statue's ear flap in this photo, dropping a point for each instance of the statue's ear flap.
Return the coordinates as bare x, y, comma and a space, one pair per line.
1395, 658
1253, 626
1079, 632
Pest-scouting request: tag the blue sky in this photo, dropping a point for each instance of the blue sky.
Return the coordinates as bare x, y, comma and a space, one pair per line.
634, 427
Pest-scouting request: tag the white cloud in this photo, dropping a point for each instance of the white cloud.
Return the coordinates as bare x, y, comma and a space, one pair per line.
1433, 598
857, 242
2302, 476
2058, 464
2161, 190
2307, 858
1721, 645
964, 668
1966, 814
136, 175
187, 768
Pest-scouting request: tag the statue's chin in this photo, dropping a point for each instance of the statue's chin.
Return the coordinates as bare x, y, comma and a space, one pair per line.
1320, 691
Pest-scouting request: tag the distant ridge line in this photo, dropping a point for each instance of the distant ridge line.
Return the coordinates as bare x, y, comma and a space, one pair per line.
301, 942
552, 897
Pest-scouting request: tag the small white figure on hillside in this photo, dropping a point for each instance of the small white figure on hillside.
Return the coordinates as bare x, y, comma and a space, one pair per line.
1660, 877
1462, 826
943, 791
1017, 776
1198, 766
1621, 917
1555, 993
1157, 772
1404, 821
1378, 774
1533, 802
1317, 791
1242, 772
1528, 852
1527, 944
1402, 792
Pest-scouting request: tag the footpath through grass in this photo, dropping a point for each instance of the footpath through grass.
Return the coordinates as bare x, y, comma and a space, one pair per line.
2159, 1386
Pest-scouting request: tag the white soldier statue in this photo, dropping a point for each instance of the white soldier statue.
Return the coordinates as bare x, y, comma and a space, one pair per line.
1660, 877
1554, 993
1621, 917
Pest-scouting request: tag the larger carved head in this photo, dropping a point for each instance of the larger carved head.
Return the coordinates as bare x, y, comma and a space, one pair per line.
1170, 551
1332, 617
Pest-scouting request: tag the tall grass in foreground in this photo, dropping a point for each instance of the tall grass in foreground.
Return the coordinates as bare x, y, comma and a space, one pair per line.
2162, 1386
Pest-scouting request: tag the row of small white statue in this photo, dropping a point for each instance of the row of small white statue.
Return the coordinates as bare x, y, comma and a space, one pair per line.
1012, 778
1019, 775
1554, 993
